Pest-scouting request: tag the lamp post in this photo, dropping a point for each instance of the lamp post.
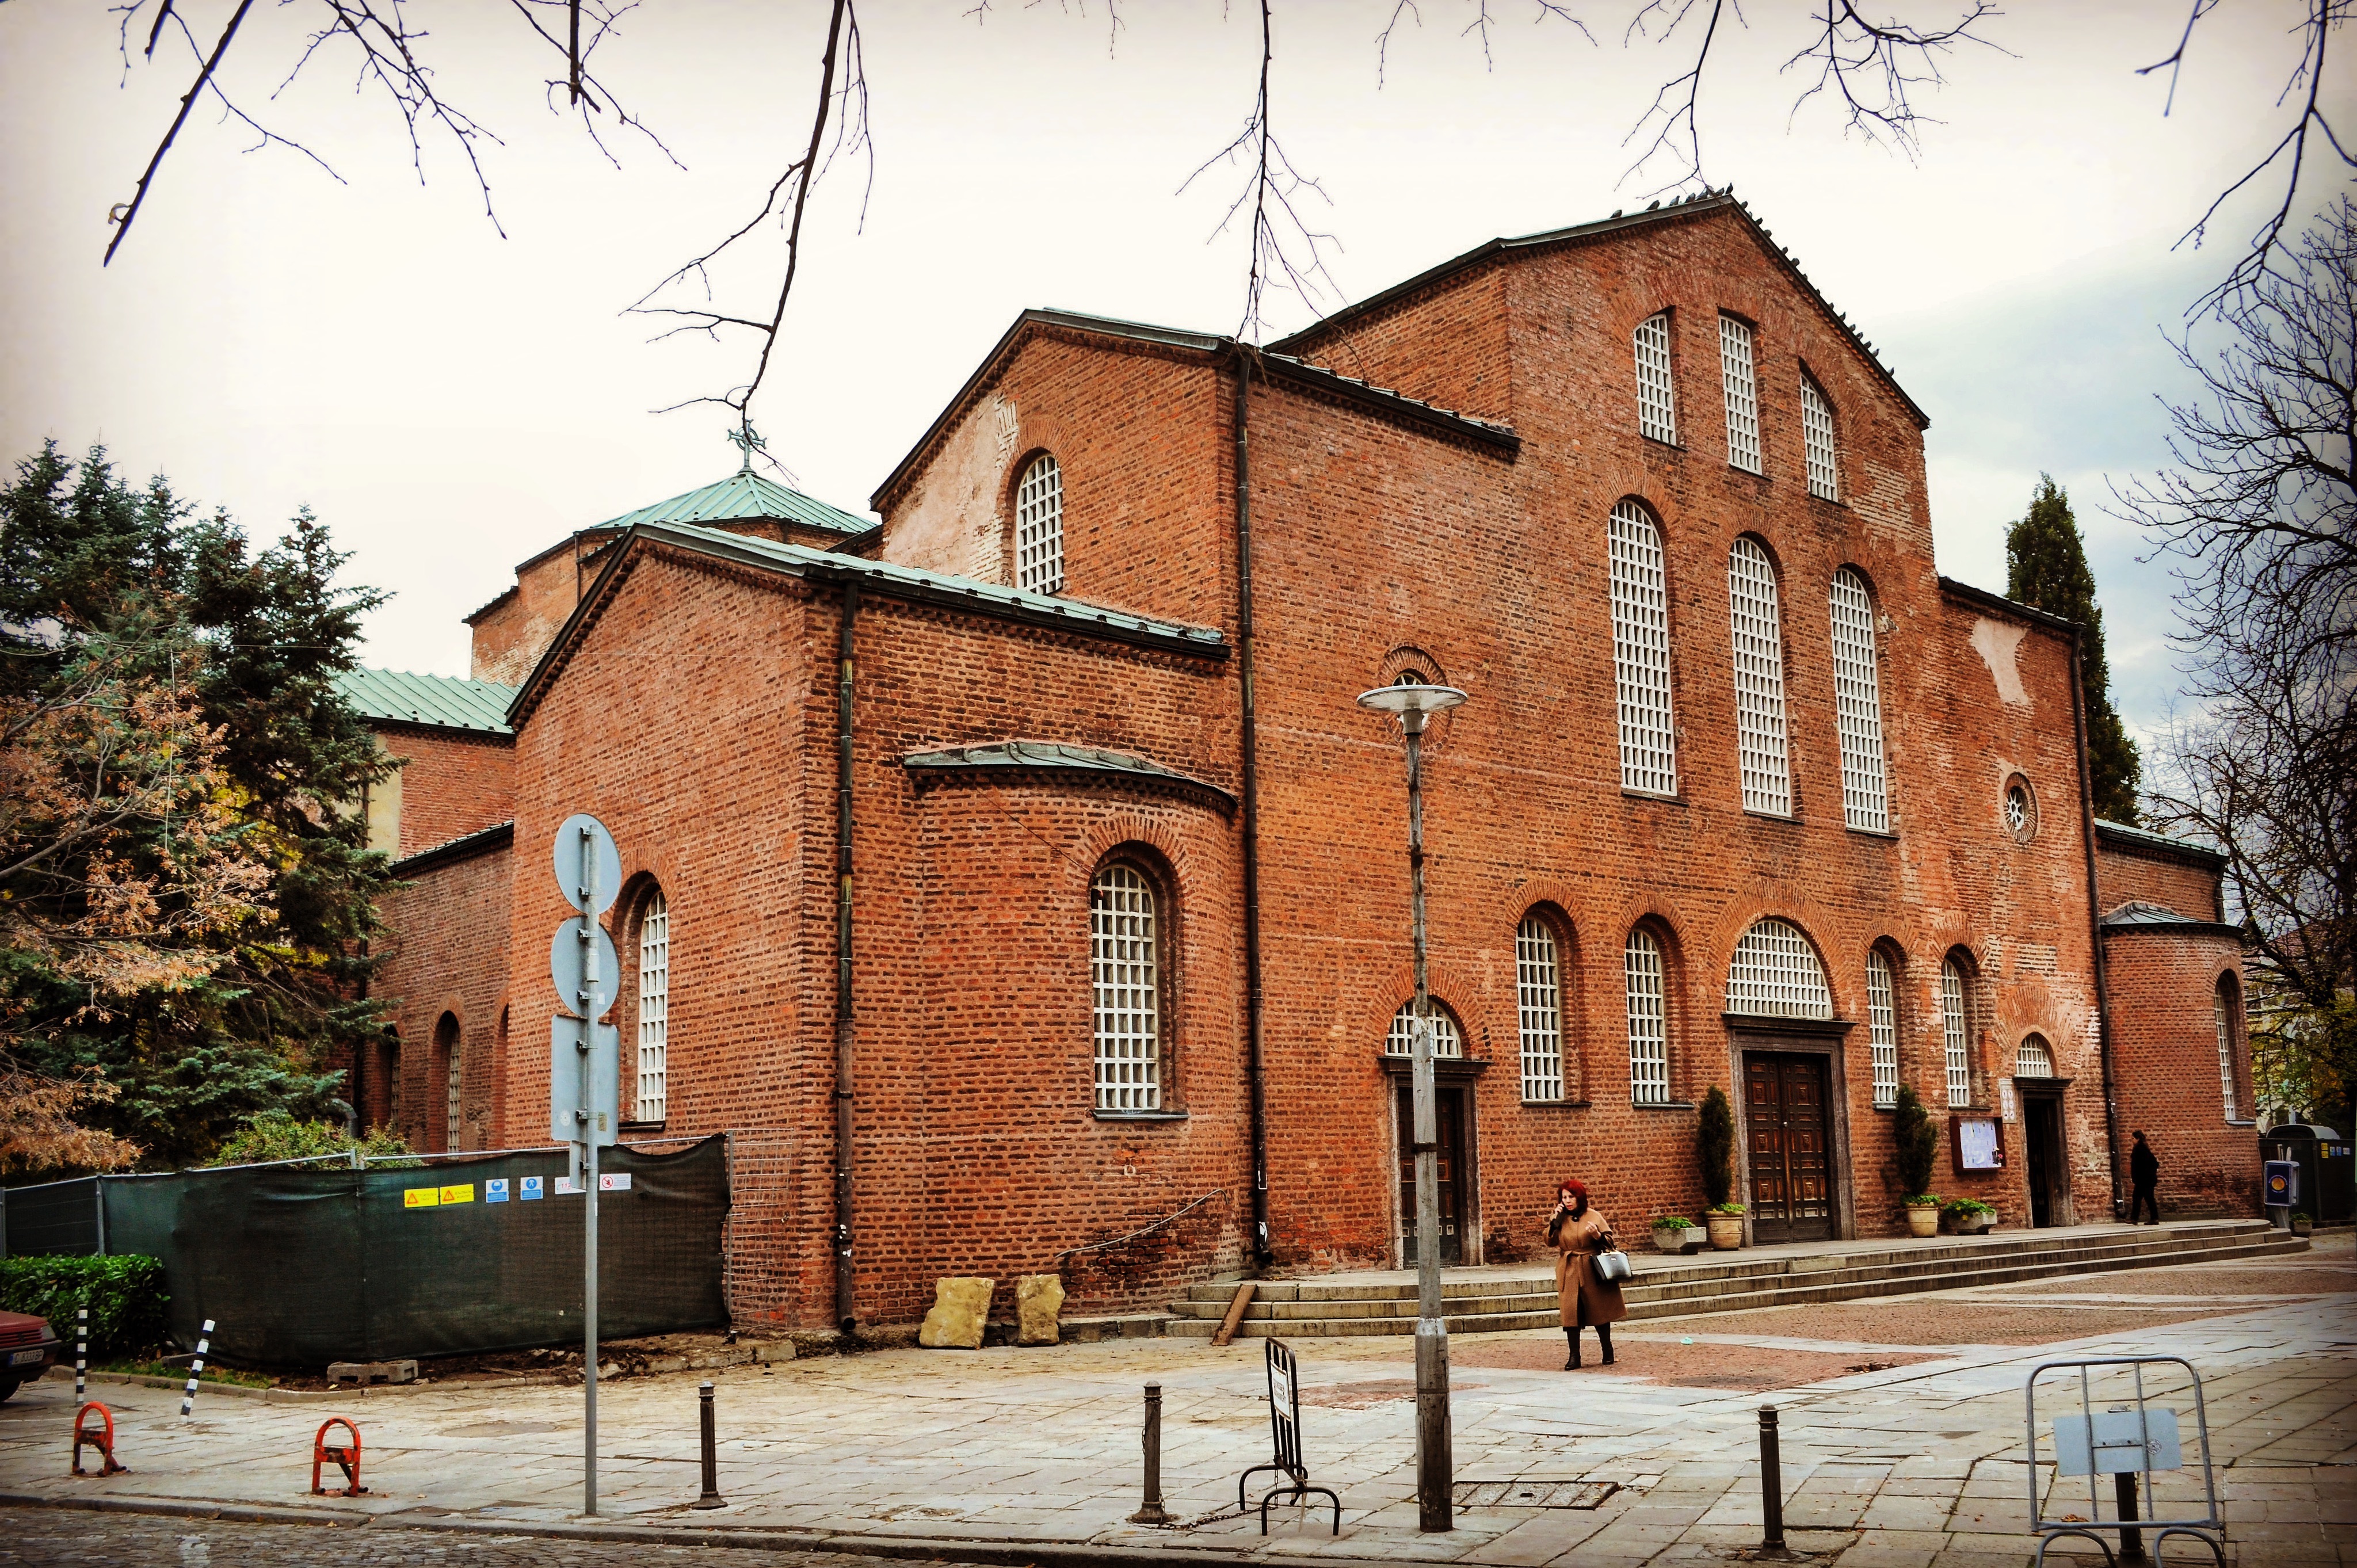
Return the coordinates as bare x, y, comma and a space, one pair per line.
1414, 705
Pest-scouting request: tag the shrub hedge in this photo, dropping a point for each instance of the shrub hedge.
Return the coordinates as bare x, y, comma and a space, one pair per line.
125, 1296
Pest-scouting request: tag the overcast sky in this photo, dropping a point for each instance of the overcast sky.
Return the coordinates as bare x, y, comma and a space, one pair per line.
451, 401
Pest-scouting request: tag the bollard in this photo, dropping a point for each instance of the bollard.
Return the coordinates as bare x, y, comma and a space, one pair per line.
196, 1366
2131, 1541
1772, 1483
711, 1497
1152, 1512
81, 1352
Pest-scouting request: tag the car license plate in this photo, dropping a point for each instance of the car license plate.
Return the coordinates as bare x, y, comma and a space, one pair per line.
27, 1358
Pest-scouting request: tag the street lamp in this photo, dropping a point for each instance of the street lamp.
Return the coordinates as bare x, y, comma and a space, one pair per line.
1413, 704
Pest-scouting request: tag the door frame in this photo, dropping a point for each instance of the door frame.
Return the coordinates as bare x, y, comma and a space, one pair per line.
1796, 1037
2060, 1207
1447, 1072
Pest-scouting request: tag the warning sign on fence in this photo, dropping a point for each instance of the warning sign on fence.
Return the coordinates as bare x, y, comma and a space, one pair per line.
462, 1193
420, 1196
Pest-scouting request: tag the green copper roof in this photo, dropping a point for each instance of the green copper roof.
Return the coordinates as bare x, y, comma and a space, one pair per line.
2121, 833
440, 701
1051, 756
742, 495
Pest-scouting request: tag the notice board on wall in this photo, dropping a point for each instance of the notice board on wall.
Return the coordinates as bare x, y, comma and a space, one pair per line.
1979, 1143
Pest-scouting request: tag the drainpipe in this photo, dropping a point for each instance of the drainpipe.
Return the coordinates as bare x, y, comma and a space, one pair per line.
2095, 924
1262, 1254
847, 1283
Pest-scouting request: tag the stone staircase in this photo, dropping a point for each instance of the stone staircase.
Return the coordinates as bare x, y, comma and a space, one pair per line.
1491, 1300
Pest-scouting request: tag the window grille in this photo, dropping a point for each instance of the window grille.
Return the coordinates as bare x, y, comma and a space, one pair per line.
2220, 1002
1742, 395
1446, 1040
1857, 700
1759, 680
653, 1099
1538, 982
2035, 1058
1657, 409
1882, 1028
454, 1056
1126, 943
1817, 438
1040, 528
1640, 654
1775, 975
1956, 1034
1649, 1022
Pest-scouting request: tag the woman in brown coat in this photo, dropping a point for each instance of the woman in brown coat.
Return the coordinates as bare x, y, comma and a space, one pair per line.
1578, 1233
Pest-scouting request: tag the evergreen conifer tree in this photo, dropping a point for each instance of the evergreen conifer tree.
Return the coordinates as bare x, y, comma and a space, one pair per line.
2046, 568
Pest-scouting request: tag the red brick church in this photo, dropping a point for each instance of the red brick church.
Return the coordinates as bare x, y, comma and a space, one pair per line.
1021, 884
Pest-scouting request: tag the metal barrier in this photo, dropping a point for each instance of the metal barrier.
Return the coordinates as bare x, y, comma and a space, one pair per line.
2122, 1440
1285, 1436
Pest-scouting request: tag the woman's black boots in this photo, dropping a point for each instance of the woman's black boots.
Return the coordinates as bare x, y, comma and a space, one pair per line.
1604, 1337
1571, 1338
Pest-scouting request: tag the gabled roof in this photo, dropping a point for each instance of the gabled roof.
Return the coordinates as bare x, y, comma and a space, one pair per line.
745, 494
1722, 200
430, 701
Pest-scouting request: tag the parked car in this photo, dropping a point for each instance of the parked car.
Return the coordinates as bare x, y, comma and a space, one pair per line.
27, 1350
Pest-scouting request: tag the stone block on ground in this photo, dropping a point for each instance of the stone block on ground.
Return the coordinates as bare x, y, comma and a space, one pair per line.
961, 1307
1039, 1301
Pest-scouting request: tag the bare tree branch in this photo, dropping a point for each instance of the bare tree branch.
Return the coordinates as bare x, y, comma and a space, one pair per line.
1874, 69
130, 209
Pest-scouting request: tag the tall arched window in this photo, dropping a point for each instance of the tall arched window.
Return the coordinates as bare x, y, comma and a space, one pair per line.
1649, 1021
1742, 393
1538, 985
1759, 680
1955, 1034
1882, 1027
449, 1056
1817, 438
2222, 1005
1448, 1040
1857, 701
1641, 653
1040, 528
1775, 975
1125, 938
653, 1100
1657, 407
2034, 1058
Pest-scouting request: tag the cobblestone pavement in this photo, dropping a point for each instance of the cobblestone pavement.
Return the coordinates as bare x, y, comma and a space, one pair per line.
1920, 1465
62, 1538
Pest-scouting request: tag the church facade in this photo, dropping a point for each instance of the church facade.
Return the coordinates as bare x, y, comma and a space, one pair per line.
1019, 884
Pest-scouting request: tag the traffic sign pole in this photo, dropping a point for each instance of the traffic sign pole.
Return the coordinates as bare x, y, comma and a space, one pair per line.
588, 871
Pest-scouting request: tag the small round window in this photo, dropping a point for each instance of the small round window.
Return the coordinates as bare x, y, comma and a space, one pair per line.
2020, 810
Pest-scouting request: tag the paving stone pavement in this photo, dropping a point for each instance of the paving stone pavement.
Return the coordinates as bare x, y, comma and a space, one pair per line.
1038, 1450
75, 1539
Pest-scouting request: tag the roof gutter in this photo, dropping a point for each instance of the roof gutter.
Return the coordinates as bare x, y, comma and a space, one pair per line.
2095, 917
1255, 1013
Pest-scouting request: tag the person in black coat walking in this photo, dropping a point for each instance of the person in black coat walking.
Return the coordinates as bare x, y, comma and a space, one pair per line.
2144, 1175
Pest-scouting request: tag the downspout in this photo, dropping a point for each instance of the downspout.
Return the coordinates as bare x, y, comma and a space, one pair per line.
1262, 1254
847, 1283
2095, 924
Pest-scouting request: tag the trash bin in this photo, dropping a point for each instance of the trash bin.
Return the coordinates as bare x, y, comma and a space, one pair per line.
2328, 1169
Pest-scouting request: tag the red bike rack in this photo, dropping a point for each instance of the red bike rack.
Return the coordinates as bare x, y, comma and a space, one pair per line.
103, 1440
348, 1460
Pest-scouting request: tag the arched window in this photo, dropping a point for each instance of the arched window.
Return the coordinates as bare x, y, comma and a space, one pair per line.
1857, 701
1538, 984
1657, 407
1040, 528
449, 1056
652, 1102
2222, 1005
1955, 1034
1817, 439
1649, 1021
1448, 1040
1775, 975
1759, 680
1125, 938
2034, 1058
1882, 1027
1641, 653
1742, 393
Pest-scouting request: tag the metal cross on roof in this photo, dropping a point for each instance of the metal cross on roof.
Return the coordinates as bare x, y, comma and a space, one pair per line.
747, 441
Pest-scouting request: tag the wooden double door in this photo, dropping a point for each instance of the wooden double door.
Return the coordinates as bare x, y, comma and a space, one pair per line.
1788, 1133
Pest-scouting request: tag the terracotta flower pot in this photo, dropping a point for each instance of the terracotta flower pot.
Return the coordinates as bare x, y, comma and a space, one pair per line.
1922, 1219
1726, 1231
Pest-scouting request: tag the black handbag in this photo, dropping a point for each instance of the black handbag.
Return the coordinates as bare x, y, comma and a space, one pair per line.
1612, 1267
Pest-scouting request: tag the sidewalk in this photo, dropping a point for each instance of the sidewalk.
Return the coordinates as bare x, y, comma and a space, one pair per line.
1037, 1451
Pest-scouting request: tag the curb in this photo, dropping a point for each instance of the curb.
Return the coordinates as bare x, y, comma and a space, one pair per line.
1041, 1555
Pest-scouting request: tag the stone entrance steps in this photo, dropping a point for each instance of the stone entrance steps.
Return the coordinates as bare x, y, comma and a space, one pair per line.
1727, 1281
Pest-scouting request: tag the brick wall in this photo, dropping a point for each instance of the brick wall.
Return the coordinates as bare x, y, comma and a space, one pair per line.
445, 951
451, 783
2164, 1045
2187, 884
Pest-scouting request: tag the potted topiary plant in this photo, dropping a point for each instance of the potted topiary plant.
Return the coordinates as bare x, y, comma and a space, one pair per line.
2301, 1225
1968, 1216
1918, 1143
1677, 1233
1715, 1153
